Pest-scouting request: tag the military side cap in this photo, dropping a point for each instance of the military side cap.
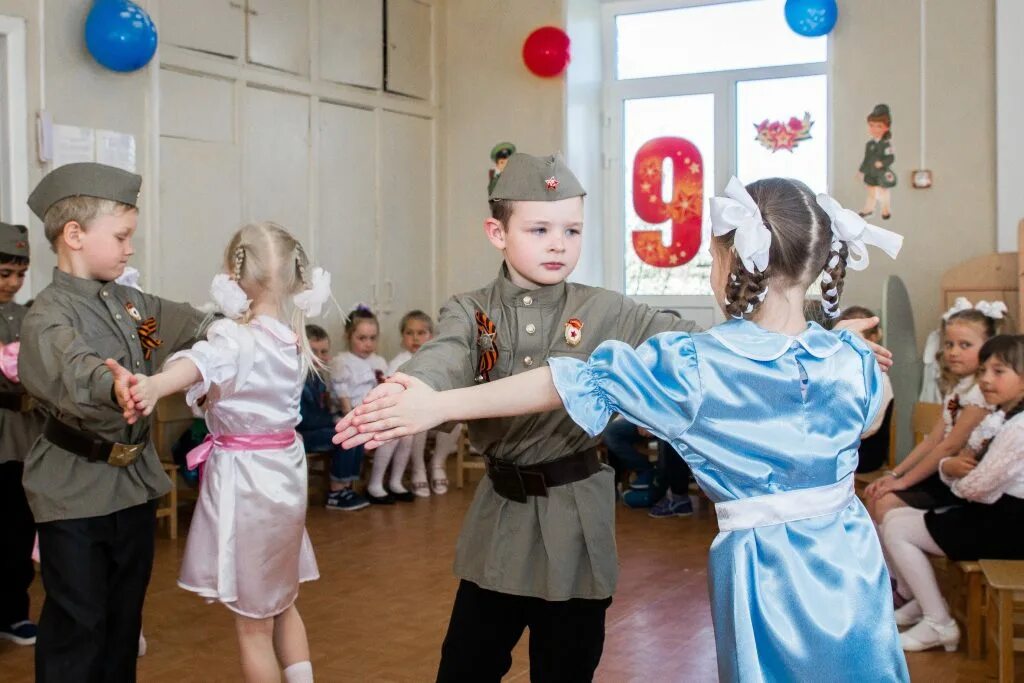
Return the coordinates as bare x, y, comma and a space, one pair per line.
879, 111
85, 179
502, 148
527, 178
13, 240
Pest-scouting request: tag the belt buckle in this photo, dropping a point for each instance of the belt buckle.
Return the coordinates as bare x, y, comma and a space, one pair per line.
507, 480
28, 404
122, 454
542, 483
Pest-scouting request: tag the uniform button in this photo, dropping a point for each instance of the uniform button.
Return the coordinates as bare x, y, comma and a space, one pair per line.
531, 328
117, 316
528, 361
527, 300
10, 317
106, 293
137, 363
133, 336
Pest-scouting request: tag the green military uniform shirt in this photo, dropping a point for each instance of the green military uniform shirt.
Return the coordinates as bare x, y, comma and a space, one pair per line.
17, 430
561, 546
73, 326
879, 151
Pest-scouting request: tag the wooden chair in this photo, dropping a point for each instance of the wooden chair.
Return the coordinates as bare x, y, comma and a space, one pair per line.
171, 418
465, 459
923, 419
1005, 611
963, 585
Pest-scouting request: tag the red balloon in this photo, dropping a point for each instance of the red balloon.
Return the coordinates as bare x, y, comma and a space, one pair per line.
546, 51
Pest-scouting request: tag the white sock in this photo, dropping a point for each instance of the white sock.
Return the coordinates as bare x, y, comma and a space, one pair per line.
909, 545
417, 446
399, 462
300, 672
381, 459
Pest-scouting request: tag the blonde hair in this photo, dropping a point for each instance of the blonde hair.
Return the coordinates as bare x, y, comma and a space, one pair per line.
81, 209
264, 258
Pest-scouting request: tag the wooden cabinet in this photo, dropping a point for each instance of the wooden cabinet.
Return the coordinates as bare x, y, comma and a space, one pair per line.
278, 34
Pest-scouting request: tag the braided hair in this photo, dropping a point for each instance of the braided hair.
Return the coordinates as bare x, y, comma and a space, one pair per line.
800, 248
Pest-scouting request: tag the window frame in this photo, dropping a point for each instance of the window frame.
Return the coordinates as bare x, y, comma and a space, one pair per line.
721, 84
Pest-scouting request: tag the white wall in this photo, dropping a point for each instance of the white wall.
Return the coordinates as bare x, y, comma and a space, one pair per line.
1009, 115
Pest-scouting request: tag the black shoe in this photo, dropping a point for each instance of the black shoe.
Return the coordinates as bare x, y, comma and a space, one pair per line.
406, 497
379, 500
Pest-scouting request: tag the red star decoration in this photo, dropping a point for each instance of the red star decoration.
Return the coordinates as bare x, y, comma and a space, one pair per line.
551, 183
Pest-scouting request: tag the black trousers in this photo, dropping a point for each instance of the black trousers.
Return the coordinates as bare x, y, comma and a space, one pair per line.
95, 572
566, 638
674, 469
17, 535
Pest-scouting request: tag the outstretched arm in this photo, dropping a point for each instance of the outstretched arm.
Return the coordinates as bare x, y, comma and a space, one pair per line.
419, 407
862, 325
176, 376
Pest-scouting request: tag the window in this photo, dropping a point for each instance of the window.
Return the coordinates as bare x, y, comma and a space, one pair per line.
748, 97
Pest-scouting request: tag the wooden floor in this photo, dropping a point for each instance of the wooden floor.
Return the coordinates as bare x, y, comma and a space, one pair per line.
381, 607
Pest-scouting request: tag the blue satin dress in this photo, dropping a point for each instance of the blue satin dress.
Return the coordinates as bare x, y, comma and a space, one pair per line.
756, 413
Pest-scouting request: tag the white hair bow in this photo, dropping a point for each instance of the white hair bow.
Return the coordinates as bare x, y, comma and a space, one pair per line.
738, 211
130, 278
992, 309
848, 226
962, 303
231, 300
311, 301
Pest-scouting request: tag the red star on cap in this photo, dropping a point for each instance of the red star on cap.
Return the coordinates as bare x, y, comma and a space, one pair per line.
551, 183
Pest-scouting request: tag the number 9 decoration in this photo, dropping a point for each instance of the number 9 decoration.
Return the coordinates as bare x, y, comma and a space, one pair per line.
685, 208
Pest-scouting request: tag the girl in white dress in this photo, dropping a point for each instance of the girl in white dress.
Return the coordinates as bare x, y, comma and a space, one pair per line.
247, 546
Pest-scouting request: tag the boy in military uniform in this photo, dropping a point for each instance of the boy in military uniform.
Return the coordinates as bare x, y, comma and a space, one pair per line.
92, 480
537, 547
20, 424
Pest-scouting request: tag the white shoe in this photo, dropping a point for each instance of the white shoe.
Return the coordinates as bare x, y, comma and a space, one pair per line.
909, 614
142, 644
928, 634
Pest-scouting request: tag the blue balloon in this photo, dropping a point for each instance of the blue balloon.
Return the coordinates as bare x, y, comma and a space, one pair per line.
120, 35
811, 18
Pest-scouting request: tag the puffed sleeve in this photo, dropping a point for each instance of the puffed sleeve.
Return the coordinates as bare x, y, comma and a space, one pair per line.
341, 377
446, 361
656, 386
874, 388
225, 356
974, 398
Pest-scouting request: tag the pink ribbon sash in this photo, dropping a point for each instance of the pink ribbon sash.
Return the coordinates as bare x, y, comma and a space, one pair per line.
238, 442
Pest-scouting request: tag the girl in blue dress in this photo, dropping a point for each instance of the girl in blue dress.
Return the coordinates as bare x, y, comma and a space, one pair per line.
767, 410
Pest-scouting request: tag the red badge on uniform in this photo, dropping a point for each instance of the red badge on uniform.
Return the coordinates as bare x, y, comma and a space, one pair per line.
574, 332
551, 183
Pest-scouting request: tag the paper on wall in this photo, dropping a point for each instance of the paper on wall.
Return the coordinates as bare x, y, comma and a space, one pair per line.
72, 144
115, 149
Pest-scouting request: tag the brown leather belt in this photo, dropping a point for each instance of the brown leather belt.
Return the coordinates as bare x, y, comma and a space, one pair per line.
18, 402
90, 446
516, 482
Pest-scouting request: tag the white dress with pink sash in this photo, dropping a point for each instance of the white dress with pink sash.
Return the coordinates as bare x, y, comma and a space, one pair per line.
247, 546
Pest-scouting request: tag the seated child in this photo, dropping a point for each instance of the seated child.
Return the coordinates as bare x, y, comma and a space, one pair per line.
915, 481
987, 477
874, 444
317, 428
353, 374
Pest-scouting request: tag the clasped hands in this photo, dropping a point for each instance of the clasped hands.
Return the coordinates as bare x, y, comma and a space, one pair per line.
401, 406
135, 393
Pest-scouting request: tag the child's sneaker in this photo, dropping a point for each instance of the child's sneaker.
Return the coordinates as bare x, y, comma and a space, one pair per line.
346, 500
642, 480
672, 507
637, 499
21, 633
